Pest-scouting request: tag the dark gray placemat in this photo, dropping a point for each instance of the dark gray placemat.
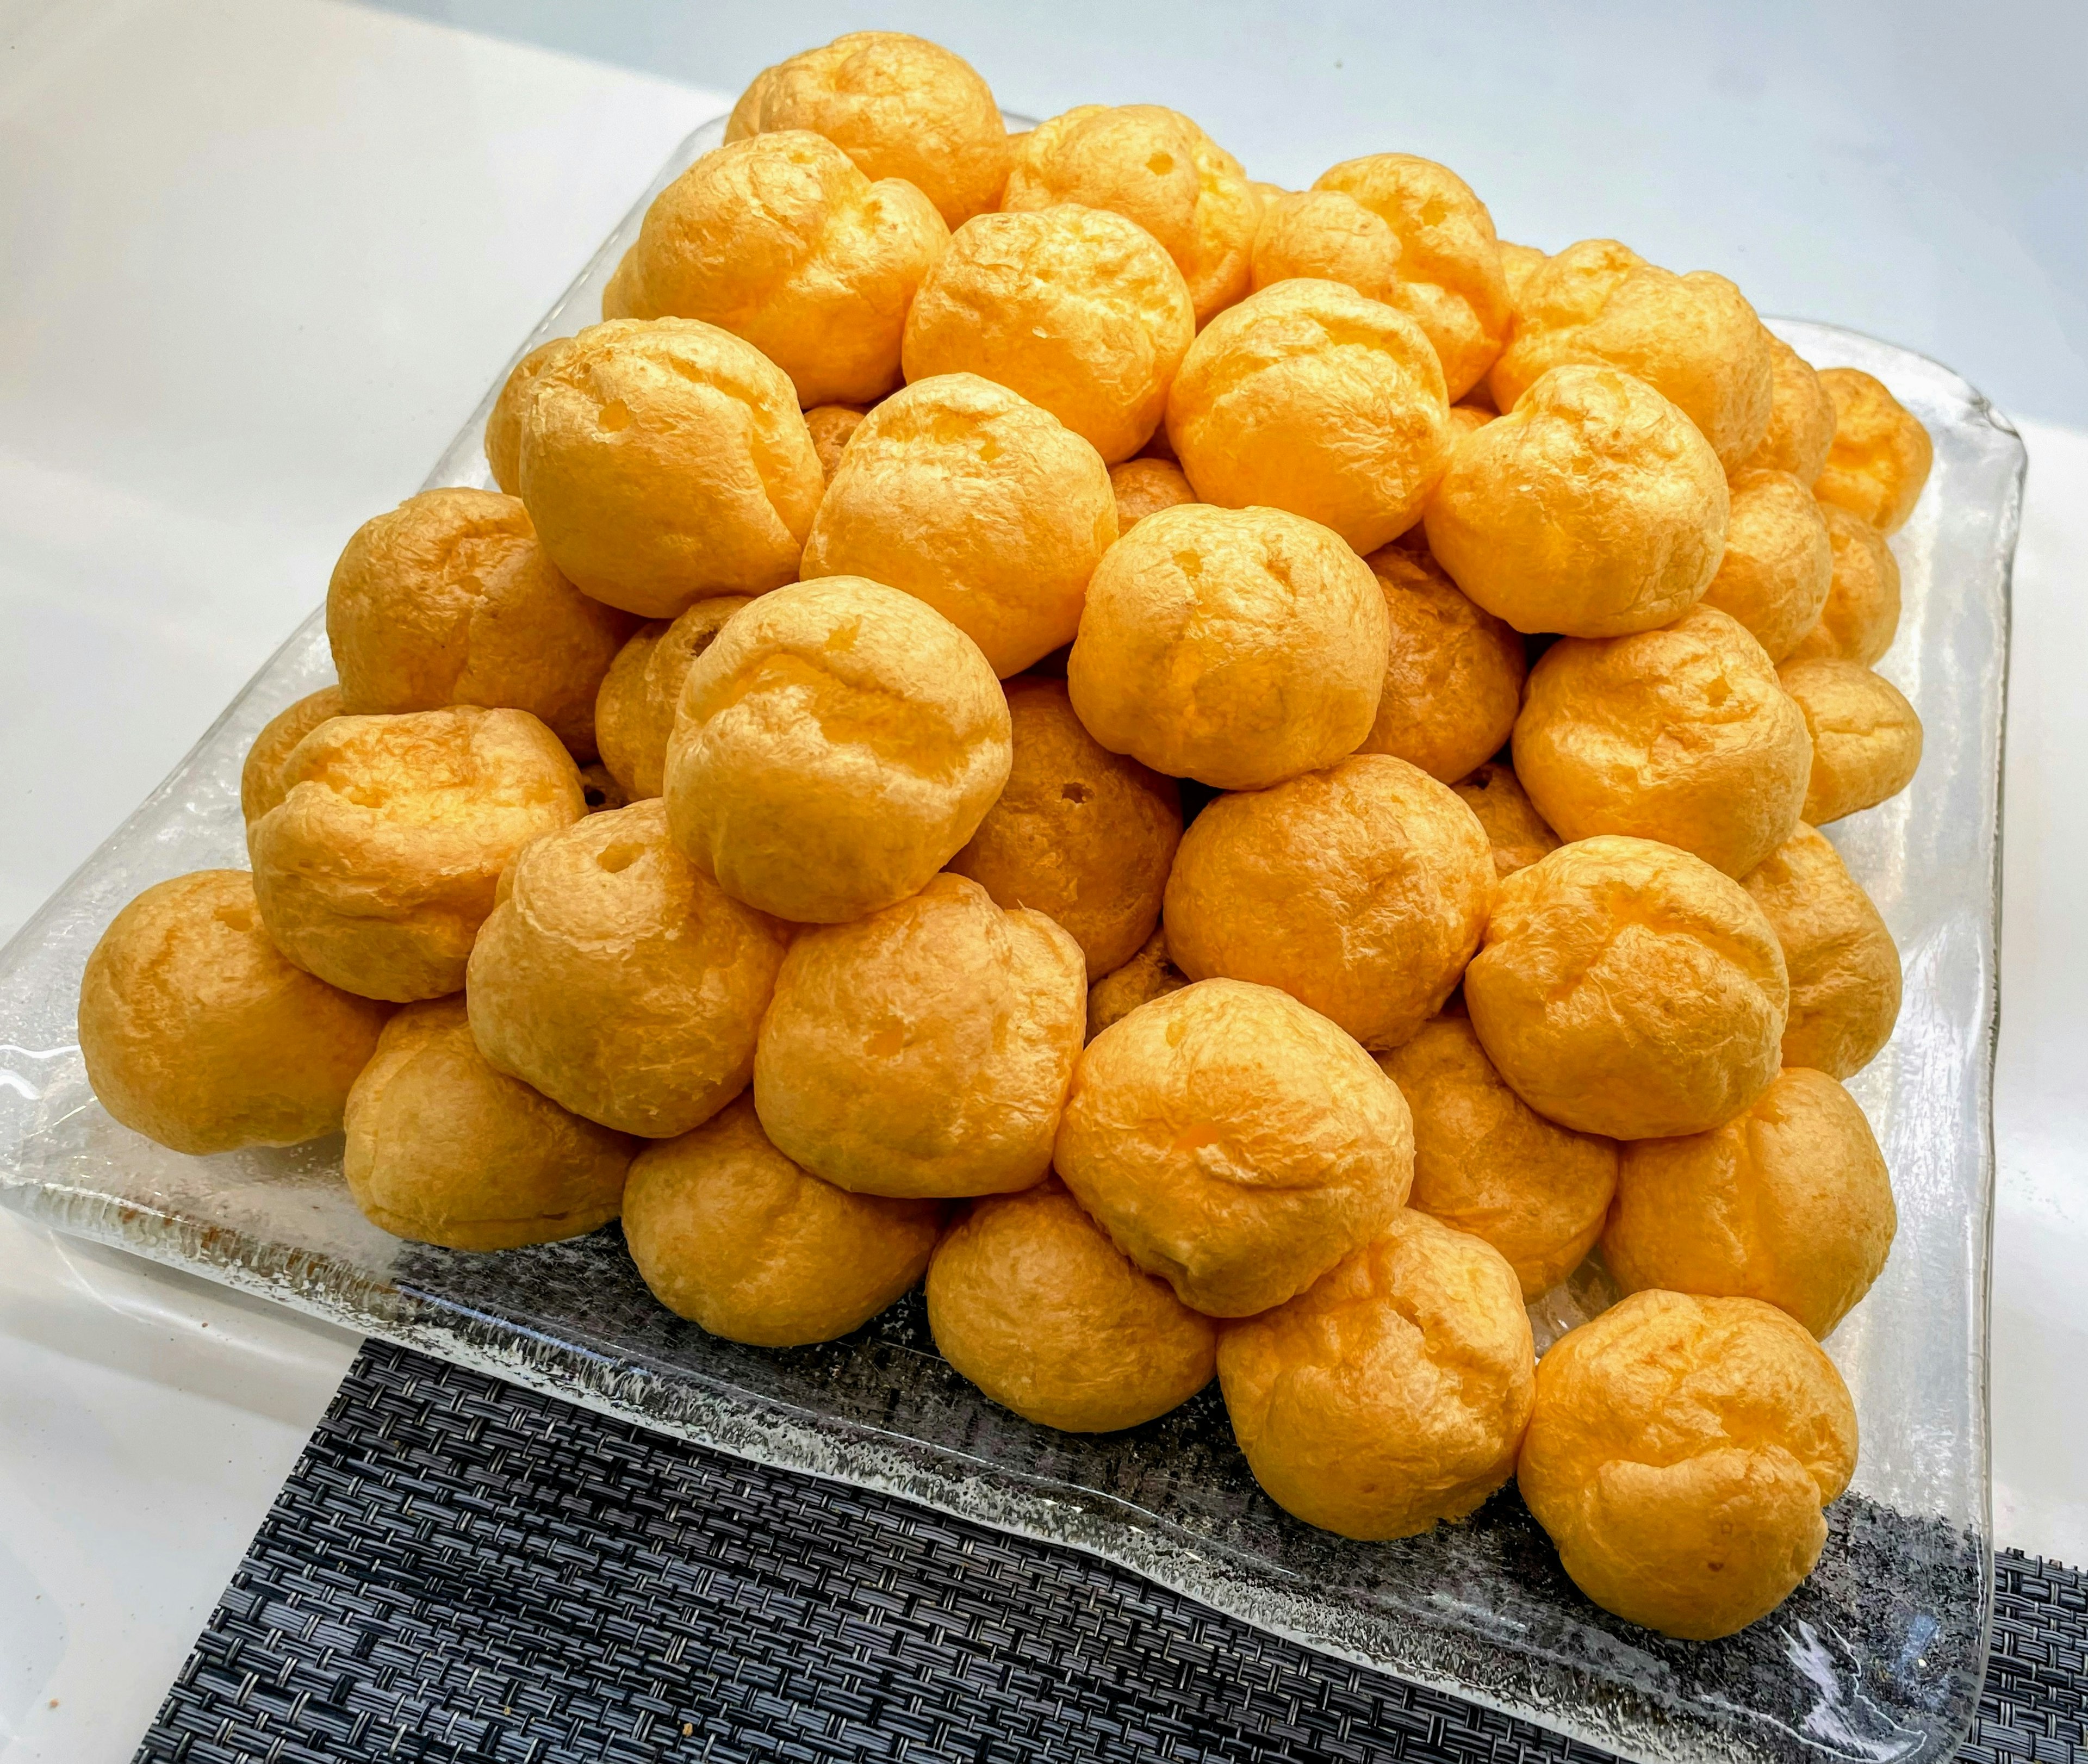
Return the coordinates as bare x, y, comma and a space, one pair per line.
459, 1569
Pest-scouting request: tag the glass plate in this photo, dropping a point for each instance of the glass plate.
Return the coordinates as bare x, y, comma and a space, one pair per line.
1879, 1656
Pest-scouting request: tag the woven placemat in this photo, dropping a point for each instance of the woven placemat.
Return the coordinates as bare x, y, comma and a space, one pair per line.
459, 1569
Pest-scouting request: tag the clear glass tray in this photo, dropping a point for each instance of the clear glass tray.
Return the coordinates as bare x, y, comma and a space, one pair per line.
1880, 1656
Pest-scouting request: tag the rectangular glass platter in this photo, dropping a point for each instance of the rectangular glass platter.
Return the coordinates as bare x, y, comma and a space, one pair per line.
1879, 1656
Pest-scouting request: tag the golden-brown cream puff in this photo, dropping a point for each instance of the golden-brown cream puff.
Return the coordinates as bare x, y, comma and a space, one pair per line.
1234, 1143
443, 1150
1029, 1299
1238, 647
1881, 455
1518, 263
448, 599
899, 106
1310, 398
1593, 508
261, 784
925, 1049
197, 1033
1077, 309
1860, 616
1149, 975
1326, 235
1628, 989
1080, 833
1393, 1393
973, 499
1449, 279
729, 1233
1866, 738
1679, 1454
619, 980
1487, 1163
633, 711
1156, 167
379, 864
1361, 891
1778, 562
830, 426
503, 427
1513, 828
1801, 417
779, 238
1453, 672
1789, 1202
1144, 487
836, 745
664, 460
1694, 338
1844, 977
1681, 735
1464, 419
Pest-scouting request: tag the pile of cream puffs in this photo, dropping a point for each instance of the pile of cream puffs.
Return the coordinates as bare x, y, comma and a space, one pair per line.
1229, 776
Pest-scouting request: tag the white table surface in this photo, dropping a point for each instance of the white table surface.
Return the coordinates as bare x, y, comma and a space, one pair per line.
258, 259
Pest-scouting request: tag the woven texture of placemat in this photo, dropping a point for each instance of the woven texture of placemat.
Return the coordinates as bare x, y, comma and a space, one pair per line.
459, 1569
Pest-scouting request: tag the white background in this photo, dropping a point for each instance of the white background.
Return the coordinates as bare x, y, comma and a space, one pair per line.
259, 258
